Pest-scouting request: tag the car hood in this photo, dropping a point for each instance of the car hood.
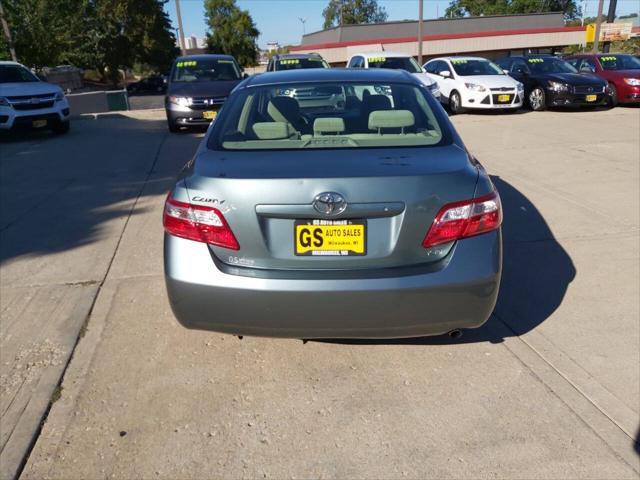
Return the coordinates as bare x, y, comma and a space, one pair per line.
27, 88
424, 78
202, 89
491, 81
573, 78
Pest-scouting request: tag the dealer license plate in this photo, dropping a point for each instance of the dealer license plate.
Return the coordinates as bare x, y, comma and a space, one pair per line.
330, 237
210, 115
504, 98
39, 123
591, 98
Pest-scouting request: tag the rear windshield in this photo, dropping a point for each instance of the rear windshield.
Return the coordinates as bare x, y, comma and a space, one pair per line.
16, 74
330, 115
205, 70
619, 62
549, 65
299, 63
395, 63
466, 68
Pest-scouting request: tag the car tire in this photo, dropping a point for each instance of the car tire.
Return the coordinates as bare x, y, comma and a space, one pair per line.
173, 126
537, 99
61, 128
613, 95
455, 103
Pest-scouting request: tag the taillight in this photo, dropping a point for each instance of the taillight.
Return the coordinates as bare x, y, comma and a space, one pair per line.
198, 223
464, 219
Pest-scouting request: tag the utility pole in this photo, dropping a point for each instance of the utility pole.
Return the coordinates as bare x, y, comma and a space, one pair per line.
420, 15
611, 16
7, 34
183, 49
598, 22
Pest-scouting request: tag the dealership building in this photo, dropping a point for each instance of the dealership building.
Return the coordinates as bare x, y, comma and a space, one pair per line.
488, 36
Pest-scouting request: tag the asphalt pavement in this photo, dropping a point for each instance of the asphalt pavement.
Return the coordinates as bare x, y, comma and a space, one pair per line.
548, 388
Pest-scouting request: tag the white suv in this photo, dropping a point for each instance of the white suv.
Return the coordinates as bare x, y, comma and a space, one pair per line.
26, 101
474, 82
394, 61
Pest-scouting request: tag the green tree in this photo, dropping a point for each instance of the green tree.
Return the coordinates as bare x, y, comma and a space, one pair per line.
351, 12
232, 31
106, 35
461, 8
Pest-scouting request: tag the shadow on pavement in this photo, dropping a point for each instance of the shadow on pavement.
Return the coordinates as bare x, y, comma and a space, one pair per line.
58, 193
536, 274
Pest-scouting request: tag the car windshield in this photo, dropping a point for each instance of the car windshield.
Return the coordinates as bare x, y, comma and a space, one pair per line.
205, 70
330, 115
299, 63
466, 68
619, 62
16, 74
549, 65
395, 63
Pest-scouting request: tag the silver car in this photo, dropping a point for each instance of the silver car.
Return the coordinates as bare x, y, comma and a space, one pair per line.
370, 220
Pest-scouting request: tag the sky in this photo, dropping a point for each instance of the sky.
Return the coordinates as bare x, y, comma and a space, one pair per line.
279, 20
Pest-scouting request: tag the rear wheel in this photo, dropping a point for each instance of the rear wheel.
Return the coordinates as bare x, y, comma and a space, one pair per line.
613, 95
537, 99
455, 103
61, 128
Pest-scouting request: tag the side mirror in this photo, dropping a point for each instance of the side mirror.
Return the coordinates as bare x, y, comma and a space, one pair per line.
245, 75
445, 74
506, 72
424, 70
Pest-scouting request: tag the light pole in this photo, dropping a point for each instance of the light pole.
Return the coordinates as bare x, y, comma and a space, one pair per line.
179, 16
303, 21
420, 14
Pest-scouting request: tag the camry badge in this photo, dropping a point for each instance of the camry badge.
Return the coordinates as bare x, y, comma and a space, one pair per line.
329, 203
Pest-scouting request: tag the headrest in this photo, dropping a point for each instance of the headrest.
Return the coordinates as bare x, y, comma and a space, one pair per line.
391, 119
282, 109
328, 125
376, 102
273, 130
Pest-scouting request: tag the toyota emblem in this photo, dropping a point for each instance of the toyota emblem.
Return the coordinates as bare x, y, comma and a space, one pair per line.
329, 203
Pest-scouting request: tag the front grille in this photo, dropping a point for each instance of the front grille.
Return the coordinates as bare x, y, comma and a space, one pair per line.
204, 103
29, 97
586, 89
32, 106
503, 89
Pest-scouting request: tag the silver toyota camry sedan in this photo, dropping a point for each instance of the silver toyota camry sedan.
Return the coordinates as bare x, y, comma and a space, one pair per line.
332, 204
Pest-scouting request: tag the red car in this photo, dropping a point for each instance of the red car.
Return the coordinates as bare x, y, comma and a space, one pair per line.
622, 71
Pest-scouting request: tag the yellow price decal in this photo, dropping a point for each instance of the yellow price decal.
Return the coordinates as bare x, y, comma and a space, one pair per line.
458, 61
608, 59
289, 61
376, 59
535, 60
190, 63
225, 61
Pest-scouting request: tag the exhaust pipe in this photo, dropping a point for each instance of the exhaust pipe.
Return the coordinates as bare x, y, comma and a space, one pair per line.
455, 334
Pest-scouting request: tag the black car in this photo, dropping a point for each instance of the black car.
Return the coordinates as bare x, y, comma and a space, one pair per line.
295, 61
152, 84
552, 82
198, 87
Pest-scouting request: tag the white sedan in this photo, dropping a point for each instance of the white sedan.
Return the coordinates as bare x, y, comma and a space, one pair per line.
474, 83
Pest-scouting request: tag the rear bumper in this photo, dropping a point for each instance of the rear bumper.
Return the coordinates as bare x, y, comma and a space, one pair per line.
460, 293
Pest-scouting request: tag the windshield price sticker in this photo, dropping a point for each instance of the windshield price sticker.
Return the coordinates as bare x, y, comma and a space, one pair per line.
289, 61
225, 61
189, 63
376, 59
456, 62
608, 59
535, 60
